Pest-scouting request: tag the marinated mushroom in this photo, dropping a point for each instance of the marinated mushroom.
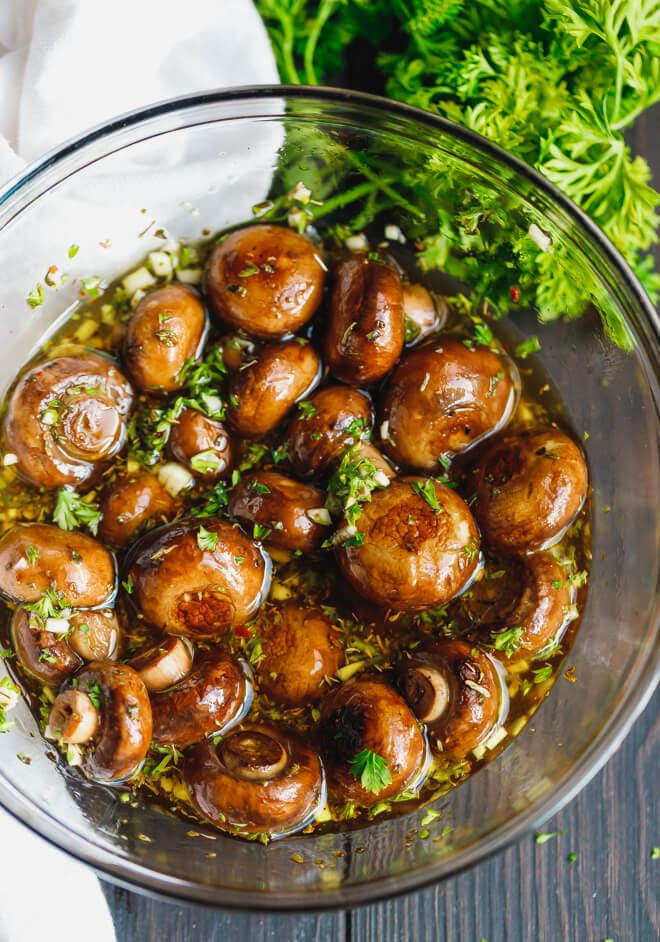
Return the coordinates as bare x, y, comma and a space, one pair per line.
365, 333
66, 419
167, 328
37, 557
215, 694
455, 689
202, 445
372, 745
164, 665
43, 653
530, 487
269, 384
118, 737
327, 423
129, 503
197, 578
96, 635
444, 398
531, 598
423, 314
300, 649
267, 280
416, 546
258, 780
285, 512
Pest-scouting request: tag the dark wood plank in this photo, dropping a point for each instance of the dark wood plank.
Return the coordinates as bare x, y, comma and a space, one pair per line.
533, 892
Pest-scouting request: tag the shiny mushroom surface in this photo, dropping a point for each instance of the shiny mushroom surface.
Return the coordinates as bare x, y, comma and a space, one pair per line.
201, 444
66, 419
286, 512
39, 557
45, 654
167, 328
365, 332
186, 583
95, 635
415, 546
129, 503
300, 650
121, 735
267, 280
327, 423
455, 689
443, 398
269, 383
530, 487
258, 780
361, 720
216, 693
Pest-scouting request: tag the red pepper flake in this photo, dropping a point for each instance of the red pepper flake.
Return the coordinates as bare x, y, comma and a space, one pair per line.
242, 631
514, 291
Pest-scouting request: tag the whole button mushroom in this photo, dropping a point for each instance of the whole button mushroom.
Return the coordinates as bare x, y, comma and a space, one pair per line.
109, 712
202, 445
66, 419
215, 694
443, 398
372, 745
43, 653
96, 635
197, 578
455, 689
292, 512
38, 557
130, 502
416, 546
267, 280
530, 487
365, 334
269, 384
300, 649
530, 602
167, 328
327, 423
258, 780
423, 313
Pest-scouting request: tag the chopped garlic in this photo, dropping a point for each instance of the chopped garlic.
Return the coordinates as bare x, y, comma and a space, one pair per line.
175, 478
138, 280
161, 264
189, 276
320, 515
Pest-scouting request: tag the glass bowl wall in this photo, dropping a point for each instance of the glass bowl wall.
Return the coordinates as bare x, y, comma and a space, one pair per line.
197, 165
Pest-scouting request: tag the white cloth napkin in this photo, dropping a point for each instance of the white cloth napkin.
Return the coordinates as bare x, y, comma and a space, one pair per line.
66, 65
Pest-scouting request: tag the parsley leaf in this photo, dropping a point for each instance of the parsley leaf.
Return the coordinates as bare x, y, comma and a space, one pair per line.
427, 492
508, 640
370, 770
71, 511
206, 540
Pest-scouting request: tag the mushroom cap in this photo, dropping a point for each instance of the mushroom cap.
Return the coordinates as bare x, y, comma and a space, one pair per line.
182, 589
131, 501
43, 654
336, 417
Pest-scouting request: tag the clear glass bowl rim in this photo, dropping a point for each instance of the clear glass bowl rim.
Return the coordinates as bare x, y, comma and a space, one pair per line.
616, 726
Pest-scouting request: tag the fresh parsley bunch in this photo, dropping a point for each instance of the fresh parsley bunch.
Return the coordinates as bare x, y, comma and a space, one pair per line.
556, 82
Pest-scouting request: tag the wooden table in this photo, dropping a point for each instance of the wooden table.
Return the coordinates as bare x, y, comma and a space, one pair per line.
528, 893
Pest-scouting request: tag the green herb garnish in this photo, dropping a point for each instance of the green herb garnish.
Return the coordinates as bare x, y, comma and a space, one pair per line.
370, 770
427, 492
306, 409
508, 640
206, 540
523, 350
71, 511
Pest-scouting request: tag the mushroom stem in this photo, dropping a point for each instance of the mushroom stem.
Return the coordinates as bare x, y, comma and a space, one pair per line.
164, 665
253, 755
427, 691
73, 717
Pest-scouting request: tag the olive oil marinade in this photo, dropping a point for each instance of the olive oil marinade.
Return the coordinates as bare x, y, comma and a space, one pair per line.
349, 527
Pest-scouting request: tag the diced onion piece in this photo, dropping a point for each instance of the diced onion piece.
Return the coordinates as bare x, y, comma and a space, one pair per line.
189, 276
161, 264
58, 626
394, 234
280, 592
138, 280
175, 478
357, 243
9, 459
320, 515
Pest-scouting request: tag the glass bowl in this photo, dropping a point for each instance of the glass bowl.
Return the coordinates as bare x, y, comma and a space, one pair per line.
198, 164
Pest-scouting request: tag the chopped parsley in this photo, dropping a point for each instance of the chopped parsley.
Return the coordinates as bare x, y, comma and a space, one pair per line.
471, 549
542, 674
352, 485
52, 604
71, 511
523, 350
427, 492
215, 500
73, 250
546, 836
32, 554
483, 335
36, 298
260, 532
370, 770
508, 641
258, 488
128, 585
206, 540
306, 409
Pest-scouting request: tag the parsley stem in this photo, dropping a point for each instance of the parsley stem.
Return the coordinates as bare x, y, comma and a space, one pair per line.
326, 10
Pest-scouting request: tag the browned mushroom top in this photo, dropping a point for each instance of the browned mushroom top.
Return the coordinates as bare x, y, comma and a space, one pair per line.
198, 578
530, 600
327, 423
300, 649
95, 636
361, 720
267, 280
131, 501
120, 739
443, 398
530, 487
286, 512
66, 419
259, 780
168, 328
216, 693
414, 546
269, 384
365, 333
456, 690
37, 557
43, 653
